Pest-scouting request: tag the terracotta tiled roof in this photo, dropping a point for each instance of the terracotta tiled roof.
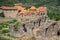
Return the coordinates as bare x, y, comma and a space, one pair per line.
42, 9
24, 11
20, 7
9, 8
33, 7
37, 12
13, 8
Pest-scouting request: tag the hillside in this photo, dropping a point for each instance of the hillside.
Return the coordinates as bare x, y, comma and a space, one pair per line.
52, 5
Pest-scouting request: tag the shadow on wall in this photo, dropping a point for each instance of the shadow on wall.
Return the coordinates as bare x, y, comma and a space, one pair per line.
2, 14
58, 33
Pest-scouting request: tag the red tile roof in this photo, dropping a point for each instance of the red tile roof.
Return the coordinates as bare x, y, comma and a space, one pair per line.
9, 8
33, 8
12, 8
42, 9
19, 7
23, 11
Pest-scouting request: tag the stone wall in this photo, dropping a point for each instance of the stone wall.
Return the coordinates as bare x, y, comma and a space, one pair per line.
1, 10
27, 26
49, 31
10, 13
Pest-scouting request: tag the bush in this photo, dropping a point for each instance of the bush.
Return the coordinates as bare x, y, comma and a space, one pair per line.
33, 38
5, 31
16, 26
0, 27
2, 38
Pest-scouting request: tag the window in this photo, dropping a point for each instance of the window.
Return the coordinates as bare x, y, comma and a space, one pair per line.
43, 13
46, 30
58, 33
2, 14
39, 22
19, 11
24, 28
34, 23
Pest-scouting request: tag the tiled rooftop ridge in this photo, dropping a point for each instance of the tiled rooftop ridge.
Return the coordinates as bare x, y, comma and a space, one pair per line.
25, 11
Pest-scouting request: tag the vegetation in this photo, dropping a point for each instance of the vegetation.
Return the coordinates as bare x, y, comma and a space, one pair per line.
53, 12
5, 31
1, 38
16, 26
6, 24
33, 37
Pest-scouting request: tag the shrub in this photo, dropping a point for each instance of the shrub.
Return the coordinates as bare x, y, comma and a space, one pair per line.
5, 31
16, 26
2, 38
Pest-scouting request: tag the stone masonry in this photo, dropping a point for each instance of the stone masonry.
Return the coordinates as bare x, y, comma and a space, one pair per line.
33, 21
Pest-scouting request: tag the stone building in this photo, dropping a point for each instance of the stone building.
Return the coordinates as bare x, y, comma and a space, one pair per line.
32, 21
48, 30
11, 12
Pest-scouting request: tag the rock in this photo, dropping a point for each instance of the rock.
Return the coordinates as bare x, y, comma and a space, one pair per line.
26, 37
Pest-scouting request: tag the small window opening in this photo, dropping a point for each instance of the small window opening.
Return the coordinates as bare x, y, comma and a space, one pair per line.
32, 28
34, 23
2, 14
39, 22
43, 13
25, 30
46, 30
19, 11
54, 24
58, 33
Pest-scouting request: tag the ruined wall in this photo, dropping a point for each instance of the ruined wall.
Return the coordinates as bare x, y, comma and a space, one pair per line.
27, 26
48, 31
